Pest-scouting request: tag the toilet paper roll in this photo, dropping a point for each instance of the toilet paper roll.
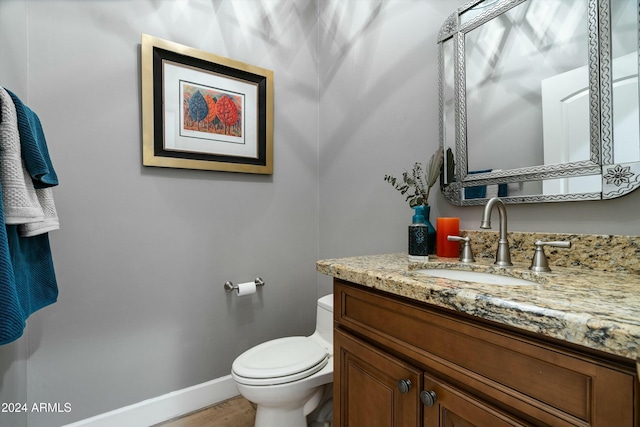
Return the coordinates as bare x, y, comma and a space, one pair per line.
248, 288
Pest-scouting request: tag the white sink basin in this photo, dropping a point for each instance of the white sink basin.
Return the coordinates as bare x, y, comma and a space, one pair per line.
475, 276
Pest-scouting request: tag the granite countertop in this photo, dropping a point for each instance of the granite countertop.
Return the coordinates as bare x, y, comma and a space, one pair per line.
593, 308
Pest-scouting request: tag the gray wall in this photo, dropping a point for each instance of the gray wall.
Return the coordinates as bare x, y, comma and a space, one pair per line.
378, 115
142, 253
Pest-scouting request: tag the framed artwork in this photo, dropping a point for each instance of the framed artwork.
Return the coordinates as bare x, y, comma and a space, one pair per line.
203, 111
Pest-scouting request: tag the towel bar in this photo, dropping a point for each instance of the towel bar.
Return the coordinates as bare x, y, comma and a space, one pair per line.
229, 286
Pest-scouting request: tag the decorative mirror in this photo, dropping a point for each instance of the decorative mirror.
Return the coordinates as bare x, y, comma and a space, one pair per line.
539, 100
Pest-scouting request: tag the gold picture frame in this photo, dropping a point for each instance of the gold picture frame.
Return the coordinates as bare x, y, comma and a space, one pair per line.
204, 111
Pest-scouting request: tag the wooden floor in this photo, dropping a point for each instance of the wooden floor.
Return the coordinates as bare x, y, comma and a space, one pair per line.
235, 412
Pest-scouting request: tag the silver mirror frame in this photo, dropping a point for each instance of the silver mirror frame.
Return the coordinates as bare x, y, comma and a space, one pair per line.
617, 179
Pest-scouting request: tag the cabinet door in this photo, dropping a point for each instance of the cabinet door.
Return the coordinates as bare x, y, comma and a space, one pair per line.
367, 383
454, 408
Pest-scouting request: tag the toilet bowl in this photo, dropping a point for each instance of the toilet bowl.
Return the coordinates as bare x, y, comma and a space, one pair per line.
285, 377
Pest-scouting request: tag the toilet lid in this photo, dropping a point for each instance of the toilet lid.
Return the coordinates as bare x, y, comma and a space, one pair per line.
281, 360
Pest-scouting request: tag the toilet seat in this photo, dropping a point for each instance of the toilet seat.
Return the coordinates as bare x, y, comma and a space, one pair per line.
280, 361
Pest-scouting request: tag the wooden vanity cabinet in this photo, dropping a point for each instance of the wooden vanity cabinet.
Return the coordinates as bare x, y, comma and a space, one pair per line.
403, 363
370, 395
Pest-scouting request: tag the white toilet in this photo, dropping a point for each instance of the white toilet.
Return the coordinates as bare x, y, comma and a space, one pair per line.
285, 376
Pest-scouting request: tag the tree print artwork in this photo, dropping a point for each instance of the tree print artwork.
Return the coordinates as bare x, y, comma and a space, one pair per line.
198, 109
211, 111
227, 112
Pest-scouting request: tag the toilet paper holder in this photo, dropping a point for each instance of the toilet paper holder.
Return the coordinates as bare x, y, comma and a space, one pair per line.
229, 286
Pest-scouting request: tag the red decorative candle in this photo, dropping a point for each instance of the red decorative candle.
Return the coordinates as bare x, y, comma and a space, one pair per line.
447, 227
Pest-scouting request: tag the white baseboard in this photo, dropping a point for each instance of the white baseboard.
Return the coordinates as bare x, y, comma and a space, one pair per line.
165, 407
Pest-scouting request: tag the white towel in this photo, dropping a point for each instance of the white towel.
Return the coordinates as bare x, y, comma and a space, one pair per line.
19, 197
50, 221
32, 209
492, 190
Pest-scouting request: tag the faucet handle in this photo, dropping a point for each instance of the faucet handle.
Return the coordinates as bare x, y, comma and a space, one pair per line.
467, 254
539, 261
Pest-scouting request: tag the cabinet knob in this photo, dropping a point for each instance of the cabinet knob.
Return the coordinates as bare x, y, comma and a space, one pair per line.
404, 385
428, 398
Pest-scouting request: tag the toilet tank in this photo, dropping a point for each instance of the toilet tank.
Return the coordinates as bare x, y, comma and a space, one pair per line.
324, 318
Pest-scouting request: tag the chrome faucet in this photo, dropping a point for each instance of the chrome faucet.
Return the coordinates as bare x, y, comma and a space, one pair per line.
503, 256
